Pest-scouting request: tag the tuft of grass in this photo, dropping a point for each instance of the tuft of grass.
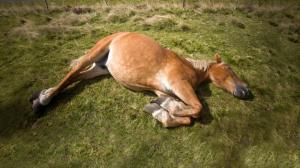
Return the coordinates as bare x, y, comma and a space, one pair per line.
63, 23
238, 23
160, 22
183, 27
273, 23
294, 38
116, 18
81, 10
120, 15
26, 30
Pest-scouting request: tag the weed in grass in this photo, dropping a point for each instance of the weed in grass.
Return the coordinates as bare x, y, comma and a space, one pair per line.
183, 27
120, 15
294, 38
273, 23
160, 22
238, 24
116, 18
222, 23
26, 30
81, 10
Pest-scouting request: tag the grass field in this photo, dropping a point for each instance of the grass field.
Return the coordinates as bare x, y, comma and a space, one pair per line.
99, 123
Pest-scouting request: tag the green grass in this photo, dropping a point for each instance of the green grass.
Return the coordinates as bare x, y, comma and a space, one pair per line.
99, 123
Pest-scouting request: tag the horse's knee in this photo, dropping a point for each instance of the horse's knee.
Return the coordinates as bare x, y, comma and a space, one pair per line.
197, 110
170, 104
184, 120
175, 122
168, 123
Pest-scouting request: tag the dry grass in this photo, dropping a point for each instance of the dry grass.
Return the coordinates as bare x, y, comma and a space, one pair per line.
238, 23
31, 9
207, 6
70, 18
158, 18
27, 30
65, 22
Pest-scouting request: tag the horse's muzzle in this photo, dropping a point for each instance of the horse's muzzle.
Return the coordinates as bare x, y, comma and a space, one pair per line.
242, 92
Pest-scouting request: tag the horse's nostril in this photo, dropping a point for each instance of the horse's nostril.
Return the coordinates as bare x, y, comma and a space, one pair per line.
241, 92
234, 92
247, 92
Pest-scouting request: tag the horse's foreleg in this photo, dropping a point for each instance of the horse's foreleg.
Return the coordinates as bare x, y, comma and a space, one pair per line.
184, 91
163, 116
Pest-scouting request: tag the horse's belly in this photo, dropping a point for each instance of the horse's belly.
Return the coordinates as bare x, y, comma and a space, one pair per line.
134, 60
132, 72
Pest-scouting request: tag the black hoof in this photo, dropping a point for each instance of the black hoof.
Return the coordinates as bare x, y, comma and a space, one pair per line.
150, 108
37, 107
34, 96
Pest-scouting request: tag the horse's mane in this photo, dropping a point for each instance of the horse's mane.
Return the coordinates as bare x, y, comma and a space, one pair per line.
200, 64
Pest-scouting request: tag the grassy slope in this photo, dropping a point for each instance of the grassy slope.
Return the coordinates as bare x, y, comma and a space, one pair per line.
98, 123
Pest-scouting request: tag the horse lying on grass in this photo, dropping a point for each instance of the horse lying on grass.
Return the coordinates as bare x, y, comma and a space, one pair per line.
139, 63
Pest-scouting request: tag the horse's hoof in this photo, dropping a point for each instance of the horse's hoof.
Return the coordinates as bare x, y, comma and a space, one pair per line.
37, 107
34, 96
160, 100
152, 107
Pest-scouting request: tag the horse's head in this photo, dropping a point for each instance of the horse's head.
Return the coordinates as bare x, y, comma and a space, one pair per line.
224, 77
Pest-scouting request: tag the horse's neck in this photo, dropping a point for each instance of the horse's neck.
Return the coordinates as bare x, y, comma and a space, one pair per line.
201, 66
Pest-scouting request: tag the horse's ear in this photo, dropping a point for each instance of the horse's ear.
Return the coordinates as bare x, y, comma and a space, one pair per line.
218, 58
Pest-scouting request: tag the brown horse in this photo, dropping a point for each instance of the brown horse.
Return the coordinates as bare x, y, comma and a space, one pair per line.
139, 63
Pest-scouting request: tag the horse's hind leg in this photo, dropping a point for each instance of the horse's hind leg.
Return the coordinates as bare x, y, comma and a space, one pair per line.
96, 54
163, 116
92, 72
41, 99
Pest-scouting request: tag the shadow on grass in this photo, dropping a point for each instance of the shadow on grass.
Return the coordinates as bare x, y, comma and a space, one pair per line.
16, 113
205, 116
68, 94
15, 110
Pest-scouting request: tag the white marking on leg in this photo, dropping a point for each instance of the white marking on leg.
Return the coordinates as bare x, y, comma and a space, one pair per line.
172, 105
76, 61
161, 115
44, 97
165, 104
